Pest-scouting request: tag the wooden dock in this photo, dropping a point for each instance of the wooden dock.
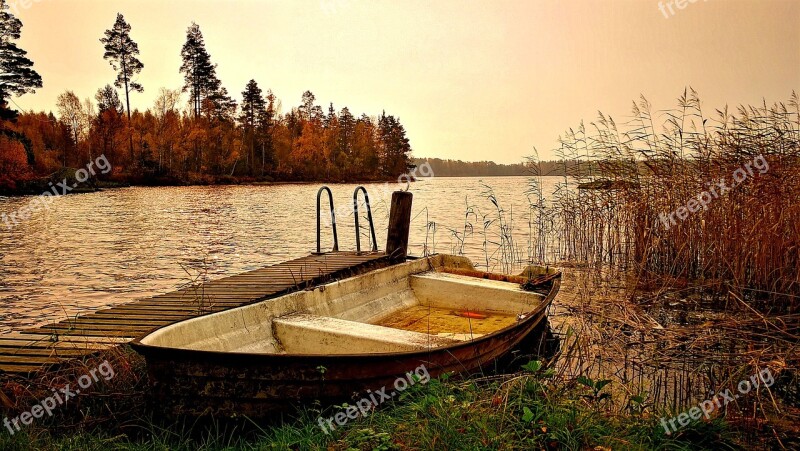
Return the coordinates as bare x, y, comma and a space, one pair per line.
48, 346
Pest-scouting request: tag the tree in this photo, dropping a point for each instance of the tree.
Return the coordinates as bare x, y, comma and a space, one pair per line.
330, 127
394, 146
167, 130
307, 110
365, 161
87, 118
329, 120
122, 51
70, 111
166, 102
200, 75
108, 99
253, 114
253, 105
267, 129
17, 76
220, 106
308, 158
347, 130
110, 120
13, 164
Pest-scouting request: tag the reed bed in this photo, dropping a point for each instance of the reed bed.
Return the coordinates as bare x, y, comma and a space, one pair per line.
670, 307
653, 172
664, 359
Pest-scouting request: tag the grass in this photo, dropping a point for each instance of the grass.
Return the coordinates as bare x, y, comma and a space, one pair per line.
532, 409
110, 402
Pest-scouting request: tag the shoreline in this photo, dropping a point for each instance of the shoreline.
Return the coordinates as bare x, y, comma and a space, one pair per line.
105, 185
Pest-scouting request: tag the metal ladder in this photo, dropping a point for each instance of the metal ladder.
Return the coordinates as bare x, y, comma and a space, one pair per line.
355, 213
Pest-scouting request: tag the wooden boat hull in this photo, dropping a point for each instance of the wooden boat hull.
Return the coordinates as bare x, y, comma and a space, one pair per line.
201, 382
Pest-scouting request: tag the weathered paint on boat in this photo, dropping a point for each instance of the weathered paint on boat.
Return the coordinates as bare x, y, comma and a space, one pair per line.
325, 344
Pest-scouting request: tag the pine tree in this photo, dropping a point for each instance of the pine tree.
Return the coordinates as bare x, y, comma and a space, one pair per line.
219, 106
394, 146
347, 130
267, 128
330, 125
251, 118
17, 76
253, 105
200, 75
108, 99
122, 52
330, 118
308, 111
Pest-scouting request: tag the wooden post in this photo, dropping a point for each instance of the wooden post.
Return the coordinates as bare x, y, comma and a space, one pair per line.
399, 225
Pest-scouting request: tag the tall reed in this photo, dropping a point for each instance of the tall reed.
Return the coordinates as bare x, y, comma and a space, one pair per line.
746, 239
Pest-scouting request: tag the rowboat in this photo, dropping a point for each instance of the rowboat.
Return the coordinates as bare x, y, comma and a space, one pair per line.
346, 337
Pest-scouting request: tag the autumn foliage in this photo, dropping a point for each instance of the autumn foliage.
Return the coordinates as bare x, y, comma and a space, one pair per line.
12, 162
170, 146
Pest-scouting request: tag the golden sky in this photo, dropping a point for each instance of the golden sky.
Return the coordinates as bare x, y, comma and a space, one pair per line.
470, 80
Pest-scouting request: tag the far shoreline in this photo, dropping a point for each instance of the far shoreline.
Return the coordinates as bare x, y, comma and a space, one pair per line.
104, 186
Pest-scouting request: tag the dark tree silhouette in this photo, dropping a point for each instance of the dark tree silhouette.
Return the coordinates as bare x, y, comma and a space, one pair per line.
252, 118
122, 51
108, 99
200, 75
17, 76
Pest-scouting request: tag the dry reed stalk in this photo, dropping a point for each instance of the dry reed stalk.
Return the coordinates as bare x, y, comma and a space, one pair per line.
749, 237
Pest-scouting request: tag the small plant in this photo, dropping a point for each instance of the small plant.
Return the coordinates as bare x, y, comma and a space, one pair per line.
533, 366
370, 440
595, 387
196, 284
529, 417
537, 368
636, 404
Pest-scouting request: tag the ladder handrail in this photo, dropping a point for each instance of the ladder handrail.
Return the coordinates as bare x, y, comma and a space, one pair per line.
369, 218
333, 220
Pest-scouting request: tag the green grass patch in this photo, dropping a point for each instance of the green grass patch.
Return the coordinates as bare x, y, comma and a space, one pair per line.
526, 411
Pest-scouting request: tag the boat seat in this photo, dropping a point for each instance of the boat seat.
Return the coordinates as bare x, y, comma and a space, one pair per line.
459, 292
302, 333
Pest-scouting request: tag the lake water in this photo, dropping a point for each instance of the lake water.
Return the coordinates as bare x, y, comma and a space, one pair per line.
95, 250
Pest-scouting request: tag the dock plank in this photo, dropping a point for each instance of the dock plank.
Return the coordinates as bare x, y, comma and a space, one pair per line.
46, 346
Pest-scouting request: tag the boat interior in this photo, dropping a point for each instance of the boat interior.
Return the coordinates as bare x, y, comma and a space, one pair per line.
417, 305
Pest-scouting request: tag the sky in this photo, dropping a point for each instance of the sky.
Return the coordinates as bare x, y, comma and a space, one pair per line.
470, 80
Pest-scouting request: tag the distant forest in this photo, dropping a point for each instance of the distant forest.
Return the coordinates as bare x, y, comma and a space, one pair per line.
458, 168
212, 139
